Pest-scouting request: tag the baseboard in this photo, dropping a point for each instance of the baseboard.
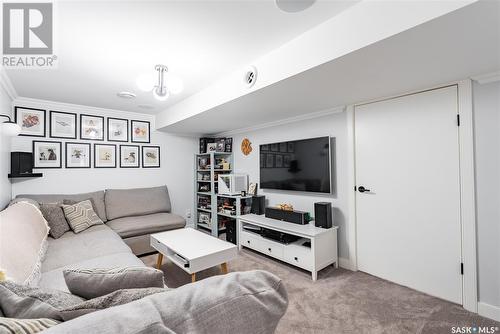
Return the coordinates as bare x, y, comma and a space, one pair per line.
488, 311
346, 264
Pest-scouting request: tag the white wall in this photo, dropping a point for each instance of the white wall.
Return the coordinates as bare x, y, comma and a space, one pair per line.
5, 185
176, 163
487, 147
334, 125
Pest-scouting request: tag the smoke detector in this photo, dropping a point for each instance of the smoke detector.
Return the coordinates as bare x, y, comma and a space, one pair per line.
126, 95
250, 76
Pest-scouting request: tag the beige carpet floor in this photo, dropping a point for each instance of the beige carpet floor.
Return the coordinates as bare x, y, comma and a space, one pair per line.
341, 301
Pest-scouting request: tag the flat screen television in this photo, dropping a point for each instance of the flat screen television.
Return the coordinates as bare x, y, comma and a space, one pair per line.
299, 165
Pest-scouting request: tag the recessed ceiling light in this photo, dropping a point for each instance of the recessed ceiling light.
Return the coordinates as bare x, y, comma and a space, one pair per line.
126, 95
145, 106
294, 6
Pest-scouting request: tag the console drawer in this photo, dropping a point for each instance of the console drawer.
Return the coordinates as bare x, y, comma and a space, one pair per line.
250, 241
272, 248
299, 256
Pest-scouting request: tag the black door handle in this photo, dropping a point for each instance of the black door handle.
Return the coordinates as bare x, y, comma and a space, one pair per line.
362, 189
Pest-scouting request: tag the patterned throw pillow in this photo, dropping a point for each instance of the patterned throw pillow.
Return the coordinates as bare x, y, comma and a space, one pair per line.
25, 326
54, 215
81, 216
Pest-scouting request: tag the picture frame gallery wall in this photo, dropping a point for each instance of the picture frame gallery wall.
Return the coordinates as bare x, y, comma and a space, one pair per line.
72, 140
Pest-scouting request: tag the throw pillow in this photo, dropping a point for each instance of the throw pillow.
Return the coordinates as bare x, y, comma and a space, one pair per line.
54, 215
91, 283
73, 202
25, 326
81, 216
113, 299
20, 301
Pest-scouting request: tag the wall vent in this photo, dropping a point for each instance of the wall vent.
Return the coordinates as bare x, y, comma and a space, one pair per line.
250, 76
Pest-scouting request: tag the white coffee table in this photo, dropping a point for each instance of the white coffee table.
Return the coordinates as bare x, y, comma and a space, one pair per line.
192, 250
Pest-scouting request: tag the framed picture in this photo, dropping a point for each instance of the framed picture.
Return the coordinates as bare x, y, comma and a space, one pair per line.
283, 147
140, 131
274, 147
31, 121
104, 155
286, 161
269, 160
264, 147
91, 127
229, 144
129, 156
211, 147
221, 144
117, 129
151, 156
279, 160
47, 154
252, 189
62, 125
77, 155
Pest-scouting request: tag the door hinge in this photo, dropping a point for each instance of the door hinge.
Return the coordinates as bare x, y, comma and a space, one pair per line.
458, 120
461, 268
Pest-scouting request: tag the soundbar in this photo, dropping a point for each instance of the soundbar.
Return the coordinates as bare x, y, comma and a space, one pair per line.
296, 217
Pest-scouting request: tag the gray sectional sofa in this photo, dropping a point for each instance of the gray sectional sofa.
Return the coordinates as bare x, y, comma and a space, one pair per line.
134, 214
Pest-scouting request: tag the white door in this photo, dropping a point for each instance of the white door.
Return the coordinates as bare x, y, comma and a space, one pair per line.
408, 223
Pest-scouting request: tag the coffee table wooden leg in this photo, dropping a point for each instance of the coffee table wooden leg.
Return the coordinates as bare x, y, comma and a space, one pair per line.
193, 277
224, 268
159, 260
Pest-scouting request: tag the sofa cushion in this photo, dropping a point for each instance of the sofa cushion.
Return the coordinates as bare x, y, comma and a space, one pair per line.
23, 242
54, 215
81, 216
136, 202
140, 225
97, 200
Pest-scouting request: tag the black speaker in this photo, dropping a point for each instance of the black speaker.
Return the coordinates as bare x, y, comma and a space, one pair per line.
323, 214
231, 232
258, 205
296, 217
21, 163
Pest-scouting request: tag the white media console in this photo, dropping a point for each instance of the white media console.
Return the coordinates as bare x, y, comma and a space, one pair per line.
315, 250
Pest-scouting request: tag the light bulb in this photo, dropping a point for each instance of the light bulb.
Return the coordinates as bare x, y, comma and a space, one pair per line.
11, 129
146, 82
174, 84
161, 94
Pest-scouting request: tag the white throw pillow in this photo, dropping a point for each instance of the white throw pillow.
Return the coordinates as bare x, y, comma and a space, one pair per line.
23, 242
81, 216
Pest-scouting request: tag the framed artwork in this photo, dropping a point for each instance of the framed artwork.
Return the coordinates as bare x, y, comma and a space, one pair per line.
62, 125
274, 147
140, 131
252, 189
211, 147
117, 129
129, 156
91, 127
286, 161
221, 144
279, 160
283, 147
229, 144
47, 154
104, 155
77, 155
151, 156
269, 160
31, 121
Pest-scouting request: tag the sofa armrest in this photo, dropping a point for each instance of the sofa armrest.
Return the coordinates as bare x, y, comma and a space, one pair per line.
243, 302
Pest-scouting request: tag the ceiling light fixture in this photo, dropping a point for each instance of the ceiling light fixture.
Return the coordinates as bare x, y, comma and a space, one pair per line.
160, 91
294, 6
10, 128
164, 85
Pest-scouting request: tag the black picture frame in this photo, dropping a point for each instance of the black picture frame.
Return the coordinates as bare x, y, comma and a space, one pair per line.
67, 155
33, 144
95, 155
126, 128
51, 112
16, 108
159, 156
81, 127
132, 122
138, 156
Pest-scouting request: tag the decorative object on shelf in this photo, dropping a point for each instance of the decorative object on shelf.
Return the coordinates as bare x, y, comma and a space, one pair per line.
31, 121
220, 144
243, 193
9, 128
47, 154
225, 164
151, 156
211, 147
21, 163
77, 155
104, 155
204, 218
204, 163
252, 189
285, 207
117, 129
140, 131
91, 127
246, 146
129, 156
229, 145
203, 144
62, 124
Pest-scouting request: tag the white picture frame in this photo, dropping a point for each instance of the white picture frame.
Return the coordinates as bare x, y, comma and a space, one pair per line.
129, 156
77, 155
62, 125
151, 157
104, 156
47, 154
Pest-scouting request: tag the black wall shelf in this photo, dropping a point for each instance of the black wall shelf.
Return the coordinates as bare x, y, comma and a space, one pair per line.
12, 176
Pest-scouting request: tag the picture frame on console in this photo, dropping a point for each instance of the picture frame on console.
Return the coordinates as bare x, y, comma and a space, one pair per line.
91, 127
140, 131
47, 154
117, 129
77, 155
129, 156
31, 121
104, 156
151, 157
62, 125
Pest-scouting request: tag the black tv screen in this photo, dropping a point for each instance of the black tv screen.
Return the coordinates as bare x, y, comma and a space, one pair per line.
299, 165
